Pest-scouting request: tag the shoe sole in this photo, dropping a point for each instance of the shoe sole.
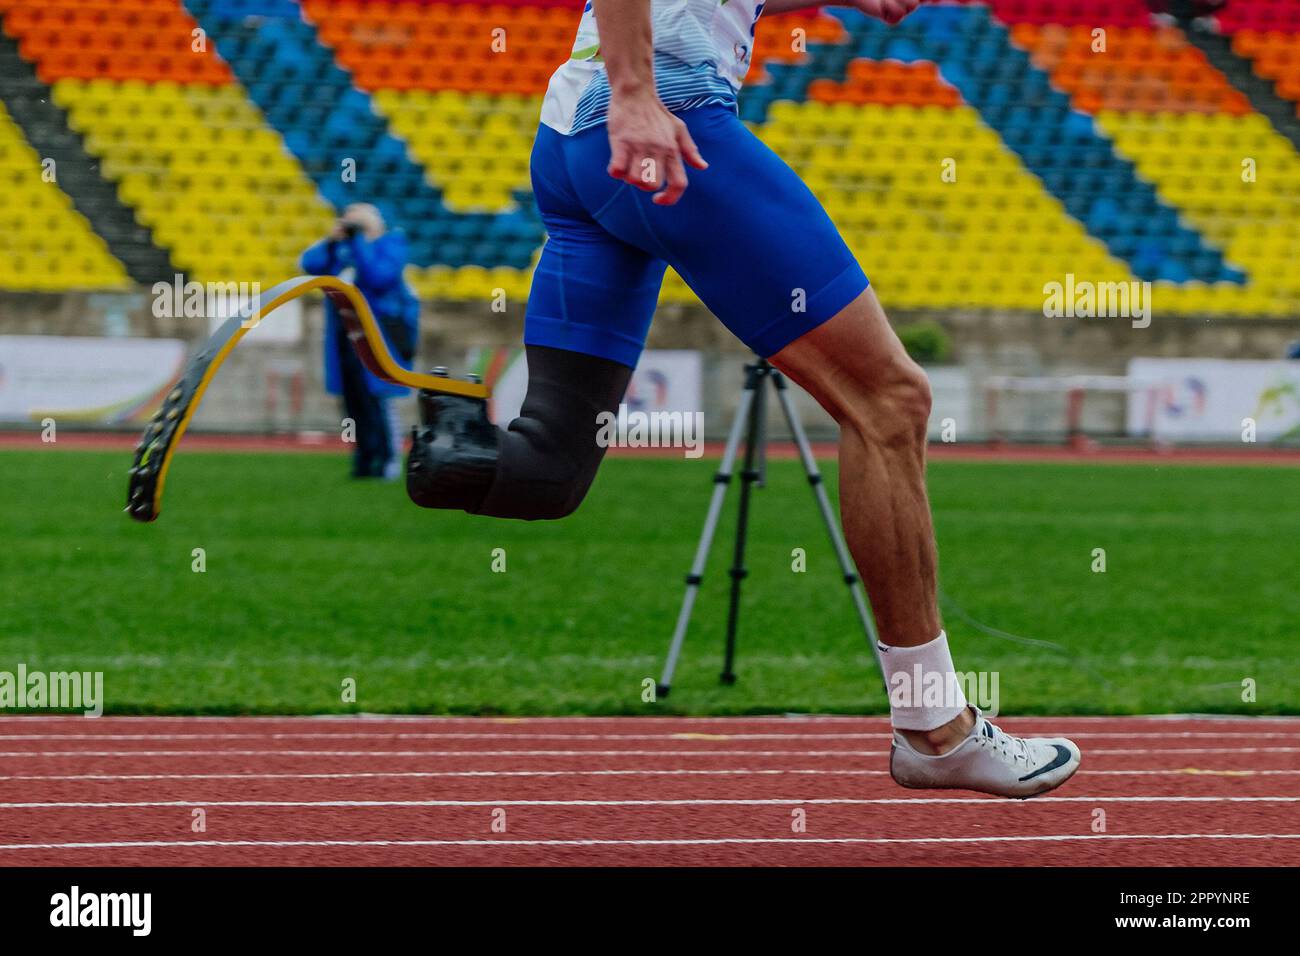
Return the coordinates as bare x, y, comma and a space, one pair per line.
1007, 796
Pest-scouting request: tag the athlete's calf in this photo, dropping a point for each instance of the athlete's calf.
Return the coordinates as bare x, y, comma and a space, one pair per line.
855, 366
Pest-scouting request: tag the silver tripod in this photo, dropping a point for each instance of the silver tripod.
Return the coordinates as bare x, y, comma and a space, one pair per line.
751, 422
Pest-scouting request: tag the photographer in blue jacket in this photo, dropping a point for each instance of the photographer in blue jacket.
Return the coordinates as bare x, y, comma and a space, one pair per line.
359, 249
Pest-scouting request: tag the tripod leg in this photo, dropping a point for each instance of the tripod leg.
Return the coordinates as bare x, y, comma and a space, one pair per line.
721, 480
832, 523
750, 475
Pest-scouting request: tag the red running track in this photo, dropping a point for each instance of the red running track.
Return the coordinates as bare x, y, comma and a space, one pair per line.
322, 791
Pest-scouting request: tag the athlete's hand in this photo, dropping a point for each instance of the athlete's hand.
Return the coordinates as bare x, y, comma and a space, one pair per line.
891, 11
647, 146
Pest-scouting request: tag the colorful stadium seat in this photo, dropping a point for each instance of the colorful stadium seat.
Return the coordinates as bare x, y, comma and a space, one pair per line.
46, 245
970, 155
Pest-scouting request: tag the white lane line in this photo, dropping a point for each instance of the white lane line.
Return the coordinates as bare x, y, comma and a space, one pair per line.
1136, 751
784, 719
371, 719
447, 753
679, 735
682, 802
521, 737
396, 735
1191, 772
721, 841
431, 773
350, 775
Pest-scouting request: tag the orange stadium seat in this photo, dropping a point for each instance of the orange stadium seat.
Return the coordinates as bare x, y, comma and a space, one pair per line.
1141, 68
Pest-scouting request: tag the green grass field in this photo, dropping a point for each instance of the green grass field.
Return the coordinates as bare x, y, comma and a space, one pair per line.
312, 579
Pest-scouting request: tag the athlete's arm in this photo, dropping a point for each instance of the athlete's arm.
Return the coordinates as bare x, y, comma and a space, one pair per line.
891, 11
646, 142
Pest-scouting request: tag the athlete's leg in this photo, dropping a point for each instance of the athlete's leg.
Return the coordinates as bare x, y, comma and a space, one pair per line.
549, 454
856, 368
589, 310
759, 250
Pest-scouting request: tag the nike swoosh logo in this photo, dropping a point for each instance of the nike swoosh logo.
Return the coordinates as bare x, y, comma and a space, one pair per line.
1062, 758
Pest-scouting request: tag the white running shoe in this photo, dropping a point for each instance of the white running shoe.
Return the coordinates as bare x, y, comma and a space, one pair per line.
989, 761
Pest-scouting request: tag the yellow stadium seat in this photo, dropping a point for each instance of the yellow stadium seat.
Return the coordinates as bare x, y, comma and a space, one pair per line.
46, 244
204, 172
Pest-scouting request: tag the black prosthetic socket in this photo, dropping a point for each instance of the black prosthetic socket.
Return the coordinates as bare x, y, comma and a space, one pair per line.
542, 465
549, 456
454, 456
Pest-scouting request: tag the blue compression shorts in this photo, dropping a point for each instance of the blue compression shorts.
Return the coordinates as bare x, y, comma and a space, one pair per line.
748, 236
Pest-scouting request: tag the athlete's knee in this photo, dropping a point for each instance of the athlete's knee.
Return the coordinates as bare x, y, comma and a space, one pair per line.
534, 470
548, 504
544, 472
890, 402
539, 468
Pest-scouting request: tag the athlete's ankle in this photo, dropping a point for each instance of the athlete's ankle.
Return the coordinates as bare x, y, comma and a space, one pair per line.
941, 739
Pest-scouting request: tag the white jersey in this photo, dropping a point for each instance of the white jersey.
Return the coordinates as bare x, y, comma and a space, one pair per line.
702, 52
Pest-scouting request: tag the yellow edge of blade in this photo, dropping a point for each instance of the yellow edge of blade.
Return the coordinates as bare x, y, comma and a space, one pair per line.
286, 292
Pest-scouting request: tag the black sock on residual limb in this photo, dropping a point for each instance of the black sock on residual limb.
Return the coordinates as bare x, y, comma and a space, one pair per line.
541, 465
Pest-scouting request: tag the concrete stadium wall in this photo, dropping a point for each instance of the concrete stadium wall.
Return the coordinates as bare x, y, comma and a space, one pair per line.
986, 343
